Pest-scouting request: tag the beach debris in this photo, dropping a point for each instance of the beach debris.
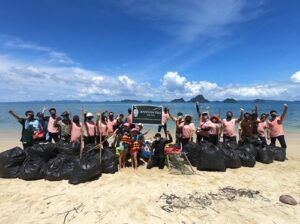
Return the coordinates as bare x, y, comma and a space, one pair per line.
173, 202
76, 209
287, 199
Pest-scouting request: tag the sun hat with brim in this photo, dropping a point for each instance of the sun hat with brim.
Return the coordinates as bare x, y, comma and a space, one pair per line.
140, 124
215, 117
89, 114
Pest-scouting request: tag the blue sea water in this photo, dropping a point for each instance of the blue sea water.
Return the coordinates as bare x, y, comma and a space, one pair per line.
8, 123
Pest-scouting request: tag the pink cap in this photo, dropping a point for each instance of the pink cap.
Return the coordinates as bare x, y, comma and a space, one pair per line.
126, 125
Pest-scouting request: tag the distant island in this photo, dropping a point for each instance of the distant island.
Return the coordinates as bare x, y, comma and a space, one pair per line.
199, 98
229, 100
130, 101
180, 100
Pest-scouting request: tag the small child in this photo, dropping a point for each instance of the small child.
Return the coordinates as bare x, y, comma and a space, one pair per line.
135, 147
124, 146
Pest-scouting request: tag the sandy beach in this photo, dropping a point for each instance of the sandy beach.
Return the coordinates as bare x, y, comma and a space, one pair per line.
154, 196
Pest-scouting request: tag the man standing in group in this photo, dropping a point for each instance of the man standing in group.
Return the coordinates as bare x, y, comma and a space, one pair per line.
165, 119
52, 130
64, 124
111, 122
275, 128
27, 127
228, 126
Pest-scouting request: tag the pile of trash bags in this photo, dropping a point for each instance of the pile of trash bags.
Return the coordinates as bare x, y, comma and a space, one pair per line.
209, 157
59, 161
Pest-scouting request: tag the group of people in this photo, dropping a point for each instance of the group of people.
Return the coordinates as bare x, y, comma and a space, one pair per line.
130, 139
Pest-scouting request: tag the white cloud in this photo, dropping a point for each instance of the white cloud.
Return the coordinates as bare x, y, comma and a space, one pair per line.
296, 77
172, 81
192, 19
53, 55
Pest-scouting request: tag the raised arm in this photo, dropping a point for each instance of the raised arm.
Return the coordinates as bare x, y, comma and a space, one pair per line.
241, 114
198, 108
14, 115
284, 111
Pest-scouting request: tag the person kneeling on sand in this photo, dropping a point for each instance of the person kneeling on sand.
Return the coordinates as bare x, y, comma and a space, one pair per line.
158, 159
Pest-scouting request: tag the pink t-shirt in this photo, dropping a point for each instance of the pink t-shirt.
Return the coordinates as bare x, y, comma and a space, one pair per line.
51, 127
90, 128
187, 130
129, 118
75, 133
229, 127
276, 128
102, 129
110, 126
165, 118
214, 130
206, 124
261, 129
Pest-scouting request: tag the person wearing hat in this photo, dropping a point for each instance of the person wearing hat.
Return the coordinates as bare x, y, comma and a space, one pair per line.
76, 131
158, 146
64, 125
89, 129
214, 131
261, 128
275, 127
52, 130
27, 127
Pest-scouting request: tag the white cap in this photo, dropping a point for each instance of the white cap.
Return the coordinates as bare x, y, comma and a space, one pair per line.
140, 124
89, 114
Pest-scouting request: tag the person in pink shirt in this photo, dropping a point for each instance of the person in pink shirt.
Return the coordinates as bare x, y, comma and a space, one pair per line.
76, 130
188, 129
111, 122
103, 130
214, 131
89, 129
165, 119
261, 128
52, 130
129, 117
275, 127
228, 126
204, 126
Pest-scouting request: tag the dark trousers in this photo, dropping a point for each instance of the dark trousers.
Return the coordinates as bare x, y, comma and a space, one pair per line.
26, 144
54, 136
185, 141
229, 139
162, 127
214, 139
281, 141
157, 161
200, 138
89, 140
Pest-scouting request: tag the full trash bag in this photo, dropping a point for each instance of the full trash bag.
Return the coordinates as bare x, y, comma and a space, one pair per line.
60, 168
211, 158
231, 157
86, 168
33, 168
192, 152
247, 159
265, 155
279, 153
109, 160
43, 150
249, 148
10, 162
68, 148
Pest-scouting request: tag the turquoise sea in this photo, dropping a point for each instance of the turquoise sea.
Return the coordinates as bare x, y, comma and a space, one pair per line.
8, 123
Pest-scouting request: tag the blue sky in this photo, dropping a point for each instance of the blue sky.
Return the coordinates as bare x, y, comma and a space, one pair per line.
159, 50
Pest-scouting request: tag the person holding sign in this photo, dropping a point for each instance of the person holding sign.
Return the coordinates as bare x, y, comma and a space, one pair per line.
165, 118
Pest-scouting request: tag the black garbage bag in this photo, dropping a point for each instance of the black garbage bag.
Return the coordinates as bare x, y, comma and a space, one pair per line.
46, 151
10, 162
109, 160
231, 157
279, 153
249, 148
87, 168
265, 155
60, 168
68, 148
211, 158
247, 159
192, 152
33, 168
